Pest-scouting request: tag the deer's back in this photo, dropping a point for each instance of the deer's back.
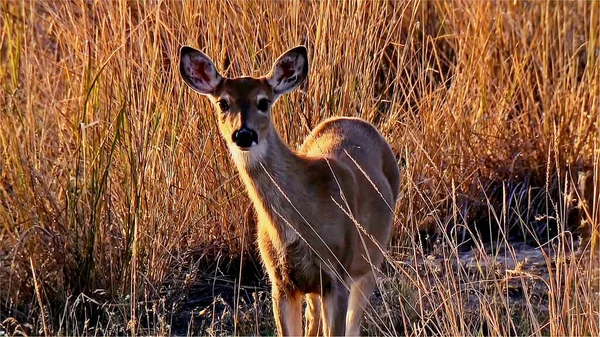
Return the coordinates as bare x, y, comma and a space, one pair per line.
362, 149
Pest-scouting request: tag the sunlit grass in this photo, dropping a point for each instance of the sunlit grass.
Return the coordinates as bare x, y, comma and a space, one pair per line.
120, 209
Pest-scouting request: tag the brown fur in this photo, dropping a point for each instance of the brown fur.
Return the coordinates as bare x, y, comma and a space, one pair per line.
308, 203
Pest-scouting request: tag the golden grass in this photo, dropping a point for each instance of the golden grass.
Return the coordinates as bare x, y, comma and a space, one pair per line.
114, 179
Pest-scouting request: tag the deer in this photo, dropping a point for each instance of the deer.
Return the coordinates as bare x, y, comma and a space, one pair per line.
324, 212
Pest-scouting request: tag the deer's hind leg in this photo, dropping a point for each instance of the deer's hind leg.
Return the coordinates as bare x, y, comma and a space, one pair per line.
360, 292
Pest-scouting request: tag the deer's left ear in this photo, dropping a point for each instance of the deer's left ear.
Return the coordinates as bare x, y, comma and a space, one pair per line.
198, 71
289, 70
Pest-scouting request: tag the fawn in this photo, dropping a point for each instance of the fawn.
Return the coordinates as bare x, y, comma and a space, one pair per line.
324, 212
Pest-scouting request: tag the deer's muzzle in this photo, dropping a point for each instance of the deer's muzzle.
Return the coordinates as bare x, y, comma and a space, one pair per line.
244, 138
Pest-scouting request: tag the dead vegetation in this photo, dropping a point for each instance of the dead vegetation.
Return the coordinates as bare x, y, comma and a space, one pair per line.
119, 206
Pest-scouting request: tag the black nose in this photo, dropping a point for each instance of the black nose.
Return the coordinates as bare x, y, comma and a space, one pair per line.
245, 137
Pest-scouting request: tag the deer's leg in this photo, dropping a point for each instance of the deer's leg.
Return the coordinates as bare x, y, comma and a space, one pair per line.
360, 292
287, 308
312, 326
334, 304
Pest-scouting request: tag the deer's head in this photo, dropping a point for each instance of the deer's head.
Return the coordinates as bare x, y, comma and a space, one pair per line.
243, 104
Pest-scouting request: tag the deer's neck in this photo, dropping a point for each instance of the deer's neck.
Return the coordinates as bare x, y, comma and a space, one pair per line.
273, 176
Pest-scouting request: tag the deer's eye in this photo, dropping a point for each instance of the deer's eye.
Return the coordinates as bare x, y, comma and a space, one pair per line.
223, 105
263, 104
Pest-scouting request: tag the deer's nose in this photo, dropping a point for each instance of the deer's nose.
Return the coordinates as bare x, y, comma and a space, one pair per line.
245, 138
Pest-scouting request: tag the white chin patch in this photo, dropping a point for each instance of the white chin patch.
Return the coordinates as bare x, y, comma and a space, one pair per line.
249, 156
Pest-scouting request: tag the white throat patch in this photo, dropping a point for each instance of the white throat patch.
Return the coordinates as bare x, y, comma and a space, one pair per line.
250, 157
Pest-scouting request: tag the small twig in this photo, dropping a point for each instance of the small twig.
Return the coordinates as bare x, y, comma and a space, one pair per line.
39, 297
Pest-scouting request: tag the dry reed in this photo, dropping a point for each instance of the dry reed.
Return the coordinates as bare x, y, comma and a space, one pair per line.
118, 195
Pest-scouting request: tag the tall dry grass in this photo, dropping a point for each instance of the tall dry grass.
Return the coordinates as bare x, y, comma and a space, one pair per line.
117, 193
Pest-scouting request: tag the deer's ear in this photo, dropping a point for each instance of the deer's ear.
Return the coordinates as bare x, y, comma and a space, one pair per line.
198, 71
289, 70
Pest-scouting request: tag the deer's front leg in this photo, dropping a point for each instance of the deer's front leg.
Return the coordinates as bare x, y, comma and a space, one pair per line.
312, 315
333, 310
287, 308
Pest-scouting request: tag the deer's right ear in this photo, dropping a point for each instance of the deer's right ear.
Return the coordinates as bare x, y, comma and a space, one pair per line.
198, 71
289, 70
